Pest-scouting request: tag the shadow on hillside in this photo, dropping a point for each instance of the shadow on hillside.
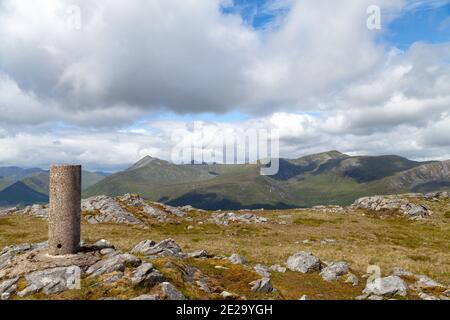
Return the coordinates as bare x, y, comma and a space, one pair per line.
212, 201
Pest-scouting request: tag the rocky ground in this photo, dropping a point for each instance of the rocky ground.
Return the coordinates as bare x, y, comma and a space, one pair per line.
391, 247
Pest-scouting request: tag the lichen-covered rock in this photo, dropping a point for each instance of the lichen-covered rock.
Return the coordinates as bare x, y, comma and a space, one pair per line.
104, 209
437, 195
170, 292
278, 268
334, 270
262, 270
8, 252
135, 201
387, 286
140, 273
117, 262
263, 285
304, 262
198, 254
36, 210
8, 211
167, 247
425, 296
7, 287
400, 272
172, 210
237, 259
353, 279
375, 297
52, 281
425, 282
103, 244
392, 204
146, 276
226, 218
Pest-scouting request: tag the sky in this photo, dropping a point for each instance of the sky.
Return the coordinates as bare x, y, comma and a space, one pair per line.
106, 83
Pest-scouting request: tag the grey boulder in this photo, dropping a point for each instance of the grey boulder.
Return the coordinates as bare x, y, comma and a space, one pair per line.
167, 247
334, 270
117, 262
262, 270
303, 262
198, 254
263, 285
7, 287
170, 292
146, 275
237, 259
52, 281
387, 286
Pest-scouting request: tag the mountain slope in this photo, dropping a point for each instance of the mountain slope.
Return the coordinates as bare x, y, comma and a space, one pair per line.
325, 178
39, 182
365, 169
15, 173
20, 194
4, 183
427, 177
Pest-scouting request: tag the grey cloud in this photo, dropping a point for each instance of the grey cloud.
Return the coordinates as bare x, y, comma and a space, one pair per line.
181, 56
139, 58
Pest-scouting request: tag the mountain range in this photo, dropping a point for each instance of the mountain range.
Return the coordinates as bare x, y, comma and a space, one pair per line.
320, 179
325, 178
20, 186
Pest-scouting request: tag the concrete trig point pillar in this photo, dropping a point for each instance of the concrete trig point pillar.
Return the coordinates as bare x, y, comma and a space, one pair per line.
65, 209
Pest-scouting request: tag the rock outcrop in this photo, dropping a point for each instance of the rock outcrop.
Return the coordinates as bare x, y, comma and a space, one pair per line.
52, 281
151, 249
117, 262
146, 276
225, 218
393, 205
104, 209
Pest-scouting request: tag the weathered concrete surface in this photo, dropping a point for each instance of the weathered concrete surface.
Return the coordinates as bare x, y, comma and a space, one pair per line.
39, 259
65, 209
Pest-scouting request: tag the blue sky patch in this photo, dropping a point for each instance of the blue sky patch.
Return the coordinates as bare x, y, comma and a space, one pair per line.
430, 24
259, 14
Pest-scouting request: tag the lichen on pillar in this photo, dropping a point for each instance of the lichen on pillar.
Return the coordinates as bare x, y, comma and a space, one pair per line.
65, 209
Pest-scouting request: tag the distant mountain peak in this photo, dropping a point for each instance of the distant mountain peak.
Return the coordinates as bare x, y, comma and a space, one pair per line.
145, 161
335, 153
20, 193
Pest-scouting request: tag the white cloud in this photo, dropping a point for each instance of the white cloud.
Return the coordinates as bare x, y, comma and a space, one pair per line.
320, 78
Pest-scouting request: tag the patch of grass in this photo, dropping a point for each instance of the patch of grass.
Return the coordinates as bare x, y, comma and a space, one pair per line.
6, 222
310, 222
435, 291
421, 258
22, 229
447, 215
235, 279
292, 285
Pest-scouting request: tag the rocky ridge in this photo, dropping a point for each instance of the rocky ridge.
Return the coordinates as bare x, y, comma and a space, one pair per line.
133, 210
